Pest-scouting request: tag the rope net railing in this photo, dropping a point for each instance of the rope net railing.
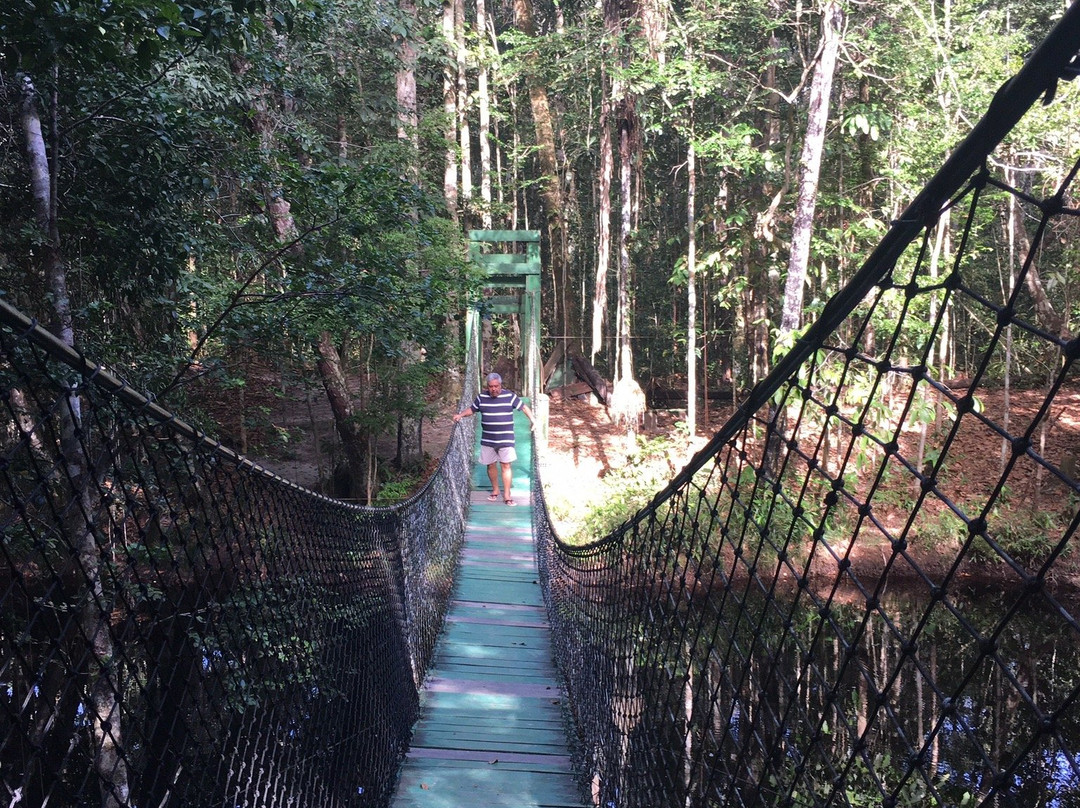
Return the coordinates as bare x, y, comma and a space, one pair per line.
823, 608
180, 627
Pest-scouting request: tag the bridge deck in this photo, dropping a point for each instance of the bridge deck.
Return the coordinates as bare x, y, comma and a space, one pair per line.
491, 731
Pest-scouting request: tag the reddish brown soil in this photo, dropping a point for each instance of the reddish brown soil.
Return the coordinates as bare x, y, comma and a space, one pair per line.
584, 445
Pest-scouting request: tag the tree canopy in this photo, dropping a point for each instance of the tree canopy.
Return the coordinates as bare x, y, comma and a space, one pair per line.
211, 184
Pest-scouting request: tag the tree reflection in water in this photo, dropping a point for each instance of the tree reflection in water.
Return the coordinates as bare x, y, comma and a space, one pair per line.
907, 701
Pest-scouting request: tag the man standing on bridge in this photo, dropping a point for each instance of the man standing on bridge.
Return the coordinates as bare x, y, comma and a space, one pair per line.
496, 408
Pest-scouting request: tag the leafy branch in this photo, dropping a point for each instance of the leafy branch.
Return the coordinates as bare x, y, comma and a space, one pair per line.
238, 299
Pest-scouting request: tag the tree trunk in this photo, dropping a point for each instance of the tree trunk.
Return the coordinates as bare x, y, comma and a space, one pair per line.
551, 192
450, 186
409, 432
500, 188
341, 130
405, 81
603, 251
758, 259
462, 53
625, 365
810, 165
103, 685
628, 399
277, 207
691, 290
354, 440
43, 197
487, 360
1047, 317
483, 98
802, 229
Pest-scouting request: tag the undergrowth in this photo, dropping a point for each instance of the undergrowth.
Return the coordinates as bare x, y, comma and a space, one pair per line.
622, 491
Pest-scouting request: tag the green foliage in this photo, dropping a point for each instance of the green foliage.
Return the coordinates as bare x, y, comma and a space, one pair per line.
1027, 535
625, 489
871, 120
179, 123
396, 490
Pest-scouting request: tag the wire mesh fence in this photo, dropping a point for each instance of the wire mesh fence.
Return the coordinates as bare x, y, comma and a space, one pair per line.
824, 609
180, 627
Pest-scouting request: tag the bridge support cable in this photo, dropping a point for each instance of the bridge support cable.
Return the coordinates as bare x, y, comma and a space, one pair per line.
853, 619
267, 642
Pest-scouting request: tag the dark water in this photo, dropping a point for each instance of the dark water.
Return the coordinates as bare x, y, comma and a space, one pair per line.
961, 700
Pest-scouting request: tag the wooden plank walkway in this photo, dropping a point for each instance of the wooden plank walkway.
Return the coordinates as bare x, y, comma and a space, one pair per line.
491, 731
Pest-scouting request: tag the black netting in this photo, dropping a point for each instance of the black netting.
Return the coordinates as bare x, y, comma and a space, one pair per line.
180, 627
821, 609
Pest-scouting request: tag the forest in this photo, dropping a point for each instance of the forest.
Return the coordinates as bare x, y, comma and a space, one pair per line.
212, 196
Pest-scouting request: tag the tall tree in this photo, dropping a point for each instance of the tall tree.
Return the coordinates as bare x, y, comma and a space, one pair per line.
102, 705
606, 171
483, 99
408, 119
461, 51
628, 400
43, 196
691, 283
410, 448
832, 21
551, 192
450, 108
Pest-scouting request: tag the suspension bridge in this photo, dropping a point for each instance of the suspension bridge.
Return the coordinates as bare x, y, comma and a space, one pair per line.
181, 627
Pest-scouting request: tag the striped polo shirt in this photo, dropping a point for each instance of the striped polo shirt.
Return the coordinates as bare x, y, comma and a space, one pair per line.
497, 418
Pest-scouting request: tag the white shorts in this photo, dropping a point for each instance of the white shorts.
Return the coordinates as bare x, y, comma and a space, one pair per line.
489, 455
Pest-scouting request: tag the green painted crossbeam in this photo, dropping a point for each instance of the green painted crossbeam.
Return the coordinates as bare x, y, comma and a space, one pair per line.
491, 731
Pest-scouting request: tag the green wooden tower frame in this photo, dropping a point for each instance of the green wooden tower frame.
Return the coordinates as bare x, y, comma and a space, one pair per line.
516, 276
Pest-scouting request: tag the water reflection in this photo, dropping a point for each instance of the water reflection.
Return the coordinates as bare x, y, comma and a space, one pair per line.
752, 698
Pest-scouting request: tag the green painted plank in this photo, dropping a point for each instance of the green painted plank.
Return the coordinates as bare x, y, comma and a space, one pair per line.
513, 571
531, 665
496, 676
504, 235
529, 660
487, 785
436, 759
472, 670
468, 625
502, 591
483, 574
515, 584
469, 645
534, 657
534, 741
468, 715
492, 704
457, 716
434, 723
500, 617
527, 655
511, 265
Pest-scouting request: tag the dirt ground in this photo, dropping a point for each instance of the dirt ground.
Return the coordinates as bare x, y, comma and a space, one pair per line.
584, 445
583, 441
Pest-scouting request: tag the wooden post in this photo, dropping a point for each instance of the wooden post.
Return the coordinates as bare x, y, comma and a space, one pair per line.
521, 274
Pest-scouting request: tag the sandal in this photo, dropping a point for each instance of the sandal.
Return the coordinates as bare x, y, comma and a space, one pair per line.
510, 502
493, 496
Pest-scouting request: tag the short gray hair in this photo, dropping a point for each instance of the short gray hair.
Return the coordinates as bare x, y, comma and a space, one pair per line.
493, 377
